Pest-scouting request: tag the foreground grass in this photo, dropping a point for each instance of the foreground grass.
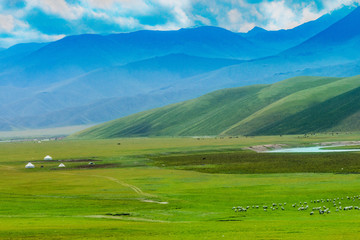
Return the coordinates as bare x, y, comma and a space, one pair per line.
139, 200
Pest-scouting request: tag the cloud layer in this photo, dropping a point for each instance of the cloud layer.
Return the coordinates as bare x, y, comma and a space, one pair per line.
47, 20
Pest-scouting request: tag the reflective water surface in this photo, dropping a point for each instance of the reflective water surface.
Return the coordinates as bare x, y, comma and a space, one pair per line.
311, 150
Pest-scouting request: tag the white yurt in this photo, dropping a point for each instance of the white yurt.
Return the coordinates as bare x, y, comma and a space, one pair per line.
61, 165
47, 157
29, 165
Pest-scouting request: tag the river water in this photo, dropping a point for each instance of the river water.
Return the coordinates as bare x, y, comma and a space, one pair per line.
318, 149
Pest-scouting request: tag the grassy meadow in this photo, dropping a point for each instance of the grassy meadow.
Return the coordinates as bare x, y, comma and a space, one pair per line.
176, 188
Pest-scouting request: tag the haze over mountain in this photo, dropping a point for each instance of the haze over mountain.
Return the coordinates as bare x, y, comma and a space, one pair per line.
94, 78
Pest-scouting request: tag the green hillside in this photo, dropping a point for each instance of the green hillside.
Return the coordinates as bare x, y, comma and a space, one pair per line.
294, 106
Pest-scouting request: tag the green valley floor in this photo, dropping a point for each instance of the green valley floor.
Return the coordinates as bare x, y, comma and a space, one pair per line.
136, 190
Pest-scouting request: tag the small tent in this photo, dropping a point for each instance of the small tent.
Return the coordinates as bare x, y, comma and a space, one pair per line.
47, 157
29, 165
61, 165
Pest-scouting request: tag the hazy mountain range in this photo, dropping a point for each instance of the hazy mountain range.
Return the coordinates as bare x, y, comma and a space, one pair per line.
93, 78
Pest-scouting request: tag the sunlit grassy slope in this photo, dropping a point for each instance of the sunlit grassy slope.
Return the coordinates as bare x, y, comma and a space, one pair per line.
297, 105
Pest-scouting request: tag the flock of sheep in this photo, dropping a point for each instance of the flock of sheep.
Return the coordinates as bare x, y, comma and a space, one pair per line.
321, 208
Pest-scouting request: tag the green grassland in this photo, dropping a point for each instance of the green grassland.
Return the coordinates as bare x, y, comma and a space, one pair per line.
175, 188
294, 106
250, 162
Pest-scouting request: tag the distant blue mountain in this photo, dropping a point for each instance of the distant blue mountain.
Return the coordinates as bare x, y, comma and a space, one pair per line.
337, 43
15, 53
182, 65
138, 78
211, 42
75, 55
93, 51
325, 54
21, 49
93, 78
284, 39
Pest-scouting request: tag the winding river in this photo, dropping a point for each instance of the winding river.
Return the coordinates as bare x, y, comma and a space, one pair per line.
317, 149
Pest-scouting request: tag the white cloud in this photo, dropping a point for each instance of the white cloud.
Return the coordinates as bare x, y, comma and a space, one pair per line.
128, 22
7, 23
180, 10
181, 17
246, 26
234, 16
165, 27
203, 20
309, 15
23, 36
279, 15
332, 5
120, 6
238, 22
57, 7
175, 3
102, 4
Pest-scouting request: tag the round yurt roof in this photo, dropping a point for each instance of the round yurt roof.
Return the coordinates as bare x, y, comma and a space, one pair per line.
61, 165
29, 165
47, 157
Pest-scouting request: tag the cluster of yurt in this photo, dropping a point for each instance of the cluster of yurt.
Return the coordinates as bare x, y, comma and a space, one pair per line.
47, 157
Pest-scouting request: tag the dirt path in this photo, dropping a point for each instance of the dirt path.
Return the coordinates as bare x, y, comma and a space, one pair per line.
134, 188
124, 184
266, 147
126, 218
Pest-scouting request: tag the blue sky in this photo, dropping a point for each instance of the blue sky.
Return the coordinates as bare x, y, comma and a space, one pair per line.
48, 20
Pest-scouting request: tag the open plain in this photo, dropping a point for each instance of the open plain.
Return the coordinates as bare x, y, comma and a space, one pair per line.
179, 188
